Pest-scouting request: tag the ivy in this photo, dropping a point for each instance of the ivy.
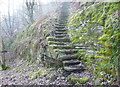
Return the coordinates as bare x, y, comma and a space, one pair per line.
97, 27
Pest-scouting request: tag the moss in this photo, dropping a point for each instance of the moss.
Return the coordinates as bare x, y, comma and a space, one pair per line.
28, 57
39, 74
106, 58
52, 69
53, 42
61, 47
29, 63
66, 52
50, 38
100, 23
53, 77
82, 50
78, 80
22, 70
5, 67
103, 37
58, 39
63, 39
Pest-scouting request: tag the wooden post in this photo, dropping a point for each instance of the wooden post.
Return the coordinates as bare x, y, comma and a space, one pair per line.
3, 54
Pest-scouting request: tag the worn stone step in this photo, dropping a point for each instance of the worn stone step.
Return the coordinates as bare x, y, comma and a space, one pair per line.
58, 43
71, 62
61, 30
55, 43
74, 68
67, 51
60, 36
59, 27
69, 57
64, 20
56, 33
88, 48
62, 46
60, 24
58, 39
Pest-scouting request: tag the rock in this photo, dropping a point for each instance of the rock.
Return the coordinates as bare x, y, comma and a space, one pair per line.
53, 77
62, 78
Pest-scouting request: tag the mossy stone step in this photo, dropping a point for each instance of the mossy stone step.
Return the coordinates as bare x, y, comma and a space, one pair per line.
55, 43
56, 33
60, 36
63, 20
58, 39
79, 66
61, 30
67, 51
58, 43
59, 27
71, 62
73, 68
61, 46
60, 24
77, 80
69, 57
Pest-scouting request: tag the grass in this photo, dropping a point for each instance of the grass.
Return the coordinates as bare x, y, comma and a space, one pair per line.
5, 67
39, 74
78, 80
22, 70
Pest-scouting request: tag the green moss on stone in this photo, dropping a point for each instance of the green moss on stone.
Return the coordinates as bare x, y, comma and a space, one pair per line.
78, 80
66, 51
53, 42
60, 47
5, 67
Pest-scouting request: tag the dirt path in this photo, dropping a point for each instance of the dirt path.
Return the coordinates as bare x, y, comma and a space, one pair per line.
21, 73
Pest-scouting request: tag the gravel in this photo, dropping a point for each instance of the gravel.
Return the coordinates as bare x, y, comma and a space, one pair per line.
19, 74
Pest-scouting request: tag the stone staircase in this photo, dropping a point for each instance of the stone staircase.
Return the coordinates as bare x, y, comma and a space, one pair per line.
62, 44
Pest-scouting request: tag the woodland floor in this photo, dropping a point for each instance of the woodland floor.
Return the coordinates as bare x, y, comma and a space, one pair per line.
20, 74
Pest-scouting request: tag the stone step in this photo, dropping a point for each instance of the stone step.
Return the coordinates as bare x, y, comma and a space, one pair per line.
71, 62
61, 30
69, 57
67, 51
59, 24
58, 43
59, 27
64, 20
61, 35
74, 68
58, 39
55, 43
88, 48
61, 46
56, 33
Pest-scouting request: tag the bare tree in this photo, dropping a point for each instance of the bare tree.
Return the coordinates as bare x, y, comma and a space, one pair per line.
30, 4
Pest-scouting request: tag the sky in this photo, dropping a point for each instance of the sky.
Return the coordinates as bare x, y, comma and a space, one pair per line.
14, 4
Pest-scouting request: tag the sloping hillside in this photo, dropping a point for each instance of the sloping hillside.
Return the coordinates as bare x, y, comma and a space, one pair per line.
96, 30
76, 44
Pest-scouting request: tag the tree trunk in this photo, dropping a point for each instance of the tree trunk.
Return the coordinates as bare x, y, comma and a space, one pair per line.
3, 55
